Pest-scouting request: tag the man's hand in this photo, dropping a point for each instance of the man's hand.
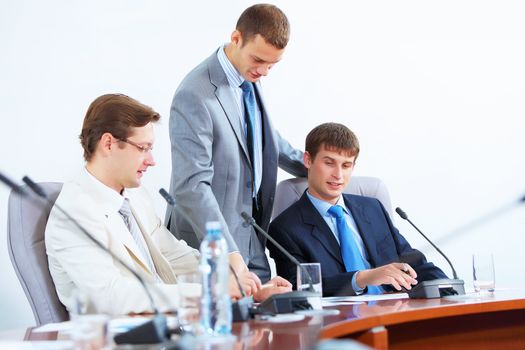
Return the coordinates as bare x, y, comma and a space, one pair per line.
248, 280
396, 274
276, 285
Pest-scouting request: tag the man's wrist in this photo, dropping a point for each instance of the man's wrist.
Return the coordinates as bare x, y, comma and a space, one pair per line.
355, 285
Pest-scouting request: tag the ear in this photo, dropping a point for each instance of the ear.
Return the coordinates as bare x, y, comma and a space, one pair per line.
236, 38
307, 159
105, 144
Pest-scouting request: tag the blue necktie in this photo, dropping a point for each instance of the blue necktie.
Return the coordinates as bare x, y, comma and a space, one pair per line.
352, 257
248, 96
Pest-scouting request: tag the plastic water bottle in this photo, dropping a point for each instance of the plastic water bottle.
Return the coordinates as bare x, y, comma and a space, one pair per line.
216, 311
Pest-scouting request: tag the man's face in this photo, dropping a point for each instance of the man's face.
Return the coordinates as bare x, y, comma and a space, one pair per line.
328, 173
128, 161
254, 58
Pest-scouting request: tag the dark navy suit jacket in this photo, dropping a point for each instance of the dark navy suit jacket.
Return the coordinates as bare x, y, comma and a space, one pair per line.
302, 231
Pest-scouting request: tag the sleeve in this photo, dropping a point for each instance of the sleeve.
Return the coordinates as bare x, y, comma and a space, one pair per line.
290, 158
77, 263
425, 270
191, 134
336, 284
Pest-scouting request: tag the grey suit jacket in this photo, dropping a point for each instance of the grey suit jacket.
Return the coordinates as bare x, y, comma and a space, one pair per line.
211, 175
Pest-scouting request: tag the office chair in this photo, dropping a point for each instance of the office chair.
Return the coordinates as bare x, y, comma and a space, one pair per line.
289, 191
27, 219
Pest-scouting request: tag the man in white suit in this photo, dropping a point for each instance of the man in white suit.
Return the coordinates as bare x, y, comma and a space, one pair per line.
106, 198
225, 151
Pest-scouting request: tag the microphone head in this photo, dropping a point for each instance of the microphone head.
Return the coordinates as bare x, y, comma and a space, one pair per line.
34, 187
12, 185
401, 213
167, 197
248, 220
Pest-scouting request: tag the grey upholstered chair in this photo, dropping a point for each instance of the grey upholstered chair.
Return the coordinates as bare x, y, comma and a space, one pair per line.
27, 219
289, 191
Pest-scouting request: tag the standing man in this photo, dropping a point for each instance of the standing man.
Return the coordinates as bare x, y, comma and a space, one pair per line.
225, 151
351, 236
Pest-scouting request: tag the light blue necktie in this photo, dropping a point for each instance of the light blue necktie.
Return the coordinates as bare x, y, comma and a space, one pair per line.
352, 257
248, 96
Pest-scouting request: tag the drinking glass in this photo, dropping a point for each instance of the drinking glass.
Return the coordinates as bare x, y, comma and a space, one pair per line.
483, 272
308, 271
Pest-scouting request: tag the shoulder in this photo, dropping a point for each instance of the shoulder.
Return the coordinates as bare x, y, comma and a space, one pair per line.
199, 78
363, 200
291, 215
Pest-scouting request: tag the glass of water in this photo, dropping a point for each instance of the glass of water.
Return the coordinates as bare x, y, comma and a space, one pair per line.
190, 293
483, 272
308, 271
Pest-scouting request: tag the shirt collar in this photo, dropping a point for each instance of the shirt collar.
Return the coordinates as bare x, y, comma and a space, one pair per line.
234, 77
323, 206
108, 197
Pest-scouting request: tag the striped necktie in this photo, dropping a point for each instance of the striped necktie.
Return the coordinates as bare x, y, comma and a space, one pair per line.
129, 220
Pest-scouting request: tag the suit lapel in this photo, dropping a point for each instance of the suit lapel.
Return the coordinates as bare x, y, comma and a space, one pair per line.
161, 264
320, 230
227, 101
117, 227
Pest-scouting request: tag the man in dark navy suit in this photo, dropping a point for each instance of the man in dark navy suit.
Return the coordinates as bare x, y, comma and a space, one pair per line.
353, 238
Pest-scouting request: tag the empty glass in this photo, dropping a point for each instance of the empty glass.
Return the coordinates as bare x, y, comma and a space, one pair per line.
483, 272
308, 271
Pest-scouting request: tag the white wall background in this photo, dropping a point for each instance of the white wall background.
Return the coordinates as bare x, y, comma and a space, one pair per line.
434, 90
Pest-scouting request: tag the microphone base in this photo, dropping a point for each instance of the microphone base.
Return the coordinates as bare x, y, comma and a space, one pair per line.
241, 309
153, 331
437, 288
286, 303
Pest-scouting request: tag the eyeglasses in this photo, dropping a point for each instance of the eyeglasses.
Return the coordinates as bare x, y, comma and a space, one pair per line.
143, 149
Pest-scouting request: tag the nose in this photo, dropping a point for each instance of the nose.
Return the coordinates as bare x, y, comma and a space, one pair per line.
149, 160
264, 69
337, 173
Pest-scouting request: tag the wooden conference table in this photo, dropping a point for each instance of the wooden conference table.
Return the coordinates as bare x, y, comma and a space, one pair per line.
466, 322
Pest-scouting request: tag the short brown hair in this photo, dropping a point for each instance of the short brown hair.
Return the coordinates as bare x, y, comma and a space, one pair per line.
332, 136
268, 21
116, 114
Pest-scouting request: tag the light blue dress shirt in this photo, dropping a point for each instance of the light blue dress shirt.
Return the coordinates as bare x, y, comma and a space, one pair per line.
235, 79
323, 207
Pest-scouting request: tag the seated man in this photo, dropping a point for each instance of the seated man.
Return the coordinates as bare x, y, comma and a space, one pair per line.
351, 236
106, 199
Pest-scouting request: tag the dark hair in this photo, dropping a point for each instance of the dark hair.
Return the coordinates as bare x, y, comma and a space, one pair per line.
116, 114
268, 21
332, 136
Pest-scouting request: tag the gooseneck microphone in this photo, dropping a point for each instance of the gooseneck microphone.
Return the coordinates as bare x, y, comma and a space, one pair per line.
251, 221
404, 216
151, 332
439, 287
11, 184
240, 308
286, 302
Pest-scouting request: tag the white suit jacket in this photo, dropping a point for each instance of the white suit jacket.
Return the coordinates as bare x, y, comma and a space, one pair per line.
77, 264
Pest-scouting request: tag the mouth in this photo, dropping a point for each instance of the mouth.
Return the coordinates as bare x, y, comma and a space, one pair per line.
255, 76
334, 185
140, 172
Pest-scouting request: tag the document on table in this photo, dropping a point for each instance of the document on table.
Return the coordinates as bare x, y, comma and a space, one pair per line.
357, 299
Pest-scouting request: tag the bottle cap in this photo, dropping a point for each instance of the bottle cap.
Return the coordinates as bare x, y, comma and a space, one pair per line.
213, 226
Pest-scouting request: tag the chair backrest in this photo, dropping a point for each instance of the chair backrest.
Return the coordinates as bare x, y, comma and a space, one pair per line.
27, 219
289, 191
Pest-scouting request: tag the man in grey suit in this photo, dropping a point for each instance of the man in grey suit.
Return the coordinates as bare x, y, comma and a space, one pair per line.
225, 151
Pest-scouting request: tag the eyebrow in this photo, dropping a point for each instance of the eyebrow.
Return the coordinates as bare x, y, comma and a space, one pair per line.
257, 58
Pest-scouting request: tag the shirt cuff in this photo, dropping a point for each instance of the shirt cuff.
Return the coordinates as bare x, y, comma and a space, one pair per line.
358, 290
